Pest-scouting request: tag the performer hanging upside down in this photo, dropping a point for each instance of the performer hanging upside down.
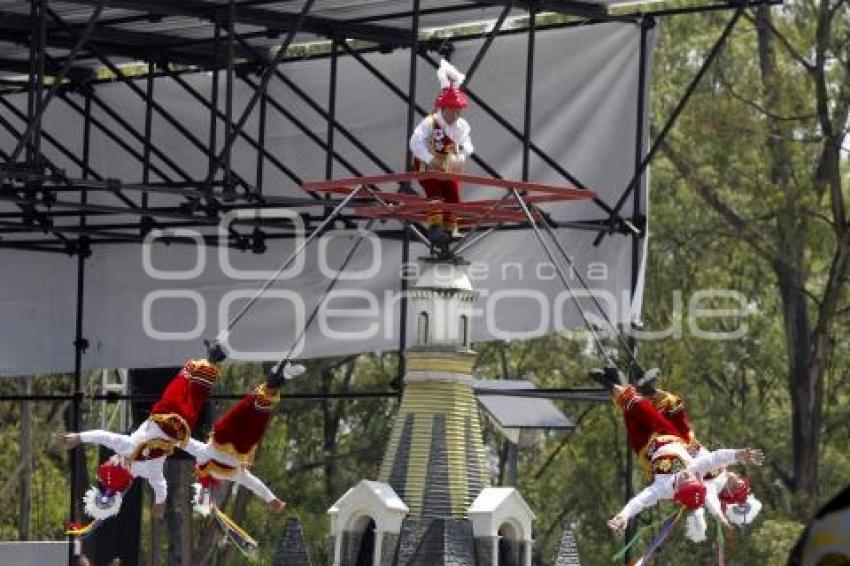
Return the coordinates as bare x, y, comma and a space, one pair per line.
677, 473
442, 142
142, 453
731, 490
229, 452
728, 494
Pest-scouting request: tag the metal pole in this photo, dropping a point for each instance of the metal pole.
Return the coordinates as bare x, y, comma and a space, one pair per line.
316, 107
120, 141
39, 85
261, 142
408, 164
80, 343
41, 105
33, 70
268, 156
712, 55
228, 99
214, 99
233, 130
146, 149
139, 92
637, 240
529, 90
491, 35
329, 162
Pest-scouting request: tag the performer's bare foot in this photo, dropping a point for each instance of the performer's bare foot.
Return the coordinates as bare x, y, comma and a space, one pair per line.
158, 511
276, 506
70, 440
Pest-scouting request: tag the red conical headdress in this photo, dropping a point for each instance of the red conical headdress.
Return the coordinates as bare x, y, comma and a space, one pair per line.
691, 494
450, 81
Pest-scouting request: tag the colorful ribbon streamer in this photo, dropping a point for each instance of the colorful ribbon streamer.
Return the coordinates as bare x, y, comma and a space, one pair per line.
82, 530
639, 534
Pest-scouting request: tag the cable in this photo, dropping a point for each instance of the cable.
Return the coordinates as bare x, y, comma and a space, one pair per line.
222, 336
324, 295
597, 340
592, 296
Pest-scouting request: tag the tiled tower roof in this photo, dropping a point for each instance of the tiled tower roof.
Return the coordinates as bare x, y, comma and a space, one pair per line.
292, 550
568, 551
436, 460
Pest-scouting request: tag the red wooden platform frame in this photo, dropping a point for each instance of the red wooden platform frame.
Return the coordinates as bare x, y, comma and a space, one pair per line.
415, 208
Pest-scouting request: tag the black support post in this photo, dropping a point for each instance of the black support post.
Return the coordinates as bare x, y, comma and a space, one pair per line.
637, 242
261, 143
228, 98
671, 120
146, 148
214, 99
529, 91
408, 164
329, 162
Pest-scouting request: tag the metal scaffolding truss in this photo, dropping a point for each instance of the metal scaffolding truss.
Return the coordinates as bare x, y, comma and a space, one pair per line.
65, 49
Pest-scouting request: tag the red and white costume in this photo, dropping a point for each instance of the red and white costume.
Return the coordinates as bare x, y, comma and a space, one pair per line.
170, 423
740, 507
441, 145
229, 452
668, 447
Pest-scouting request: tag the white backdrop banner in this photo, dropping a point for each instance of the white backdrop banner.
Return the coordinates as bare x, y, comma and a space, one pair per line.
151, 305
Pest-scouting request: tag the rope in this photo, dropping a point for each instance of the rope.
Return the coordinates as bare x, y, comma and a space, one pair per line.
324, 295
662, 536
721, 539
640, 532
222, 336
602, 311
597, 340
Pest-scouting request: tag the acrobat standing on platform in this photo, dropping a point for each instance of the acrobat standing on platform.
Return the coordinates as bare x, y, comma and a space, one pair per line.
142, 453
442, 142
229, 452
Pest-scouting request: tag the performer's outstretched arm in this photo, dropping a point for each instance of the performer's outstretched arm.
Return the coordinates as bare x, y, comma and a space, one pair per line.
261, 490
724, 457
195, 448
661, 488
255, 484
118, 443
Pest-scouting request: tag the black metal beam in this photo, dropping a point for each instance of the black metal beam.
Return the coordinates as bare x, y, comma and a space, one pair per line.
233, 130
34, 121
485, 47
671, 120
274, 20
125, 43
70, 155
569, 7
251, 141
156, 106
